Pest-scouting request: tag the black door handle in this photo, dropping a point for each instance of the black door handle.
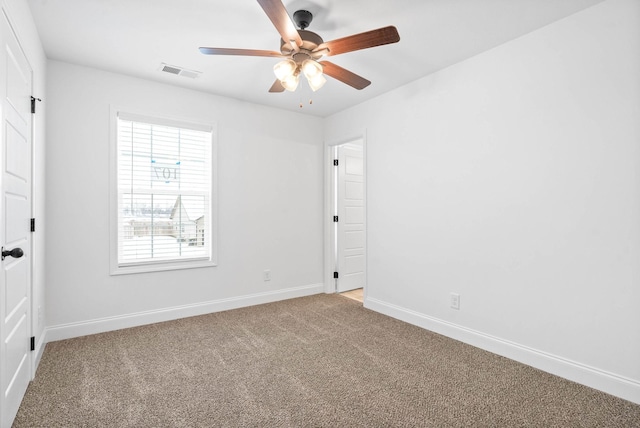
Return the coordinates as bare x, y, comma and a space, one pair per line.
16, 253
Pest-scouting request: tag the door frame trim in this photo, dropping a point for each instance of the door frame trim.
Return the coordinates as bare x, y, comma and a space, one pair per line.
329, 242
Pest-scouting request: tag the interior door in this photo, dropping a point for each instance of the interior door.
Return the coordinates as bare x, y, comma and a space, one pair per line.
15, 209
351, 232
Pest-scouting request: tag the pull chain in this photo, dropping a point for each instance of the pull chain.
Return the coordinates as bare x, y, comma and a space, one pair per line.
301, 105
310, 103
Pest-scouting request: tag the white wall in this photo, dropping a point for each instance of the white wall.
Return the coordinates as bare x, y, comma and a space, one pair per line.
269, 205
22, 22
513, 178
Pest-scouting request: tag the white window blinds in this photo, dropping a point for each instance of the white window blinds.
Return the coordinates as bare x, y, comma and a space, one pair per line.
164, 190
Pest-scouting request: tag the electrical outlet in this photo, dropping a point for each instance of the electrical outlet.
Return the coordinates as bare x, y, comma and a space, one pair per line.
455, 300
266, 275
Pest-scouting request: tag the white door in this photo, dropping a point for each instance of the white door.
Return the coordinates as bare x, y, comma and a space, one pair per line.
15, 209
351, 233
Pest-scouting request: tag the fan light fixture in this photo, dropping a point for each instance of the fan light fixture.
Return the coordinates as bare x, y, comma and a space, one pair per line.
311, 69
284, 69
288, 73
313, 72
290, 83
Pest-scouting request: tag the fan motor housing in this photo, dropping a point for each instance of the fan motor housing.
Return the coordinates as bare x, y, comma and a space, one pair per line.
310, 41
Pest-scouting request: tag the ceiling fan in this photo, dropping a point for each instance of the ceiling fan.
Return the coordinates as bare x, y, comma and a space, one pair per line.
302, 50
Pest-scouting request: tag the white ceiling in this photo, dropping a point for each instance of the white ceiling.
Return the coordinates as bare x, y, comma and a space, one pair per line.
134, 37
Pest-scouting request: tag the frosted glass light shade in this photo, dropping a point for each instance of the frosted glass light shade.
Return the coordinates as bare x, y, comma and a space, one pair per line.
290, 83
311, 69
284, 69
317, 82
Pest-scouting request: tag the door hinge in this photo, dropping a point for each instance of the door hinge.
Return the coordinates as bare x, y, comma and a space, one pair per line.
335, 218
335, 162
33, 224
335, 275
33, 343
33, 104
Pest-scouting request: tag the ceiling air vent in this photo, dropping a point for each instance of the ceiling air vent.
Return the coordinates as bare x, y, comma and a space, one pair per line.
173, 69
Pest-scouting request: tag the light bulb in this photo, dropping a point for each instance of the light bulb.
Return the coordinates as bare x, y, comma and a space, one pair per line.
311, 68
290, 83
284, 69
317, 82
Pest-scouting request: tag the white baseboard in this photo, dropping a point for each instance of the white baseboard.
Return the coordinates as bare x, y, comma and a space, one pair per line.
101, 325
610, 383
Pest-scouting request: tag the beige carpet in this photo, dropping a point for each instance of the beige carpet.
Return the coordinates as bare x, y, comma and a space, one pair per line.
319, 361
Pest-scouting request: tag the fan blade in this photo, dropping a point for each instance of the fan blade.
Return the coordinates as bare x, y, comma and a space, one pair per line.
368, 39
344, 75
277, 87
244, 52
278, 15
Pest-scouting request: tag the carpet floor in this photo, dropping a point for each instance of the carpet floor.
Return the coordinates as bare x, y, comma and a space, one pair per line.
318, 361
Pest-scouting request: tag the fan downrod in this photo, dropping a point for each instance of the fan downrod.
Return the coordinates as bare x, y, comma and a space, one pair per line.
302, 18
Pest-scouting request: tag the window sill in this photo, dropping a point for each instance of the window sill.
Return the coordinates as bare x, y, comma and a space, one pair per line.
134, 268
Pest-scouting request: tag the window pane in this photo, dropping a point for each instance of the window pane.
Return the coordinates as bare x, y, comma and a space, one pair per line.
164, 192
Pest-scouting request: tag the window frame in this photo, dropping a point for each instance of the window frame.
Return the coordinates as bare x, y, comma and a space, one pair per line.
117, 268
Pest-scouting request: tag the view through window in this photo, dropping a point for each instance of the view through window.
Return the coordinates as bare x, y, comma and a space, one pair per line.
164, 191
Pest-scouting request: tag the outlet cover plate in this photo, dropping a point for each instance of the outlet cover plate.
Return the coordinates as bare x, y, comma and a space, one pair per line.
455, 301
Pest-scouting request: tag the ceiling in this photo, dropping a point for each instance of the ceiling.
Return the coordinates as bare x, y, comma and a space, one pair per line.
134, 37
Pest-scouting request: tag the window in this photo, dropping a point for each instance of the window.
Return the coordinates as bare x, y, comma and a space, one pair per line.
163, 194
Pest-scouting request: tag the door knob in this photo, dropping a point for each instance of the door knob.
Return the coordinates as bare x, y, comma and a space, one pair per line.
16, 253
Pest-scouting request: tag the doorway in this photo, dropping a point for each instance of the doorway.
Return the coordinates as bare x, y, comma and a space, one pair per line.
346, 202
